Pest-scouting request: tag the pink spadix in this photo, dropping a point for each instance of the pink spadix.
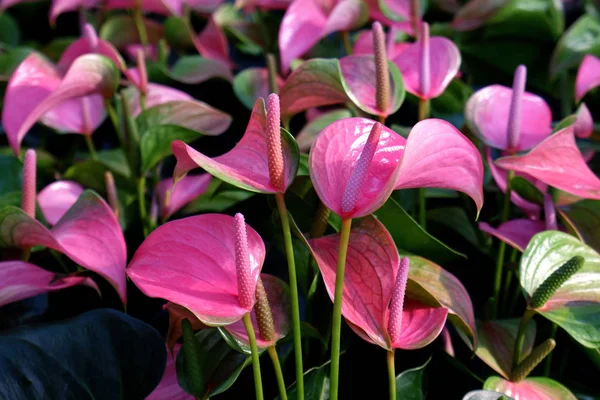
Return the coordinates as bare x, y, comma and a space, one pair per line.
550, 213
359, 173
90, 35
397, 301
425, 62
29, 179
382, 74
514, 117
246, 286
274, 150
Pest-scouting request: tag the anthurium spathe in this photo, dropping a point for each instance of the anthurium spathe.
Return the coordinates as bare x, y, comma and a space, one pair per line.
169, 199
193, 262
248, 164
372, 267
56, 199
588, 76
516, 232
584, 125
308, 21
557, 162
62, 6
530, 389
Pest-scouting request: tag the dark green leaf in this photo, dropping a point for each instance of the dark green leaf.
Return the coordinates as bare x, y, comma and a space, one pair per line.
120, 30
316, 385
9, 30
409, 384
583, 219
218, 197
156, 143
527, 190
583, 37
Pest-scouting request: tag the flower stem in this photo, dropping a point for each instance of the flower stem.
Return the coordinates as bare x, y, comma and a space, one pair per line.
289, 251
277, 367
255, 361
502, 245
91, 147
347, 42
423, 111
138, 19
391, 374
141, 188
112, 114
521, 337
337, 308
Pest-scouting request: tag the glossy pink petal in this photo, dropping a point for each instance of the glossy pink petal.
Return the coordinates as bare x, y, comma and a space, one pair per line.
155, 95
168, 388
584, 126
163, 7
557, 162
444, 63
20, 280
191, 262
56, 198
588, 76
371, 267
438, 155
530, 389
487, 114
62, 6
516, 232
476, 13
421, 325
186, 190
246, 165
343, 16
364, 46
335, 154
212, 43
88, 233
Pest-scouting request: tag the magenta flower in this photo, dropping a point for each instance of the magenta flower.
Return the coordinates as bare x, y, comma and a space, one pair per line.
517, 232
56, 199
169, 199
588, 76
364, 44
62, 6
373, 302
208, 264
584, 125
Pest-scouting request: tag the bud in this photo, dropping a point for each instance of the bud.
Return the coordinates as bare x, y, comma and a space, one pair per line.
111, 192
425, 61
29, 178
397, 300
359, 173
550, 213
264, 316
91, 37
536, 356
543, 293
514, 117
274, 150
242, 264
382, 75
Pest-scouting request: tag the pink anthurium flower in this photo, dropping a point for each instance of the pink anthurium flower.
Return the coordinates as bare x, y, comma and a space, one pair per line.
212, 43
20, 280
169, 199
516, 232
509, 119
208, 264
584, 125
364, 44
429, 65
169, 388
557, 162
588, 76
256, 158
307, 21
62, 6
530, 389
56, 199
373, 296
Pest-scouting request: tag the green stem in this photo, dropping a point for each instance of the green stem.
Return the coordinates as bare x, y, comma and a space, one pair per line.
548, 362
278, 374
521, 337
112, 114
423, 109
141, 188
337, 308
391, 374
255, 360
91, 147
423, 113
289, 251
347, 42
138, 19
502, 246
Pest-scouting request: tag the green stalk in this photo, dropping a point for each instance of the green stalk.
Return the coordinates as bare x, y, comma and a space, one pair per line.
255, 361
112, 114
347, 42
138, 19
141, 189
423, 112
278, 374
289, 251
91, 147
391, 374
521, 337
337, 308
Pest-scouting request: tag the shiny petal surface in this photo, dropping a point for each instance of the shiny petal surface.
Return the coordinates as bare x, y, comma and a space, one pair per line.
444, 60
212, 43
530, 389
557, 162
487, 111
437, 155
516, 232
186, 190
246, 165
334, 155
371, 266
588, 76
421, 325
168, 388
20, 280
156, 95
191, 262
56, 198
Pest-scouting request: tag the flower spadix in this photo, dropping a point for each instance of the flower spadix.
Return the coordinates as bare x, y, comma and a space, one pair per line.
375, 279
208, 264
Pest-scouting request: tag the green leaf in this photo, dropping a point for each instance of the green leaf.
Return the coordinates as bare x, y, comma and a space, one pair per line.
114, 160
190, 70
120, 30
565, 122
527, 190
250, 84
583, 37
583, 220
409, 383
101, 354
456, 219
316, 385
575, 306
220, 364
90, 173
10, 60
56, 47
219, 197
156, 143
409, 236
177, 33
453, 100
11, 169
9, 30
245, 33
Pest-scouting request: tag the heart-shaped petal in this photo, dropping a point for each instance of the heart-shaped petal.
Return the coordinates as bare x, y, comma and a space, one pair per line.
437, 155
530, 389
588, 76
56, 199
191, 262
344, 16
584, 126
444, 63
516, 232
20, 280
88, 233
421, 325
246, 165
212, 43
169, 388
335, 154
557, 162
172, 199
155, 95
89, 45
487, 115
